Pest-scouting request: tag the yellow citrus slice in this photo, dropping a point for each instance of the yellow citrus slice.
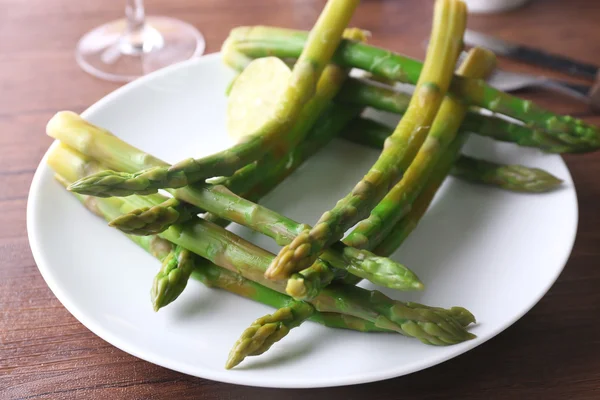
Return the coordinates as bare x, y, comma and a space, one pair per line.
255, 95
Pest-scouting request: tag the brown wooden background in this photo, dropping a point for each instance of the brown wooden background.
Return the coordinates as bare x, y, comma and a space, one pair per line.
552, 353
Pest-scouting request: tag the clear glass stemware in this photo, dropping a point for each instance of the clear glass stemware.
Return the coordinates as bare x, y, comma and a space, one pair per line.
126, 49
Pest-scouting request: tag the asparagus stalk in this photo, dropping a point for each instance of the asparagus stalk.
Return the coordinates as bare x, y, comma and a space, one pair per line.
404, 228
372, 230
383, 98
213, 276
100, 144
172, 277
250, 180
260, 41
449, 25
309, 282
251, 183
289, 315
267, 330
517, 178
320, 46
153, 220
387, 213
510, 177
364, 93
333, 119
428, 324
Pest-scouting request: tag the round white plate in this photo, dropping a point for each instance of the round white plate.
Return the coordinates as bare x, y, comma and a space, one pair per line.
494, 252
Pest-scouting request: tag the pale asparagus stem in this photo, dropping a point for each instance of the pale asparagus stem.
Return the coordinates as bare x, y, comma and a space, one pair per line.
322, 43
429, 325
401, 147
260, 41
214, 276
267, 330
371, 231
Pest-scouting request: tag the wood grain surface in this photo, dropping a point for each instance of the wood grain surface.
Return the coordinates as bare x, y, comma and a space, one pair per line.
551, 353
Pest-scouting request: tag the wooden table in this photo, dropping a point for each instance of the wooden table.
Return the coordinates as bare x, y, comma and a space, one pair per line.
551, 353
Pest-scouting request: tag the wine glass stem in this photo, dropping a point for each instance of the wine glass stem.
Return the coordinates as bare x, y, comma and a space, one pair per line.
138, 37
134, 10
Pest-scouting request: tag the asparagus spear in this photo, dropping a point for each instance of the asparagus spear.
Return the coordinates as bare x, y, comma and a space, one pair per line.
320, 46
214, 276
397, 202
100, 144
172, 277
428, 324
289, 315
250, 180
251, 183
510, 177
333, 119
449, 25
372, 230
267, 330
361, 92
383, 98
402, 229
153, 220
364, 93
260, 41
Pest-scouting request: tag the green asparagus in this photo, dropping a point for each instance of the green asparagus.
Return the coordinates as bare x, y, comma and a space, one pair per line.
267, 330
402, 229
372, 230
401, 146
251, 183
398, 201
172, 277
383, 98
320, 46
100, 144
510, 177
214, 276
428, 324
260, 41
153, 220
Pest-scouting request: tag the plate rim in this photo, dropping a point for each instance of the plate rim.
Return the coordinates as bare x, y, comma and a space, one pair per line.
237, 377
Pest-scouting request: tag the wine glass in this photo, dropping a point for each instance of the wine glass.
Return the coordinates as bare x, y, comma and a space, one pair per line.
126, 49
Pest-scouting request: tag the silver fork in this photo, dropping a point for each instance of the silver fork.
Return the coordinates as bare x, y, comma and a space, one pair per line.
511, 81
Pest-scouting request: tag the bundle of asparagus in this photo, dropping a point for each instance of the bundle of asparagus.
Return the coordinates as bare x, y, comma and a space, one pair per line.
300, 111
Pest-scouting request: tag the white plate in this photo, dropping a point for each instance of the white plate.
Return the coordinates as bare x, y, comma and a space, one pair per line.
494, 252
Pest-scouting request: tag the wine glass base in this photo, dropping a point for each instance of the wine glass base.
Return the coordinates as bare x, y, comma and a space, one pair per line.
108, 53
